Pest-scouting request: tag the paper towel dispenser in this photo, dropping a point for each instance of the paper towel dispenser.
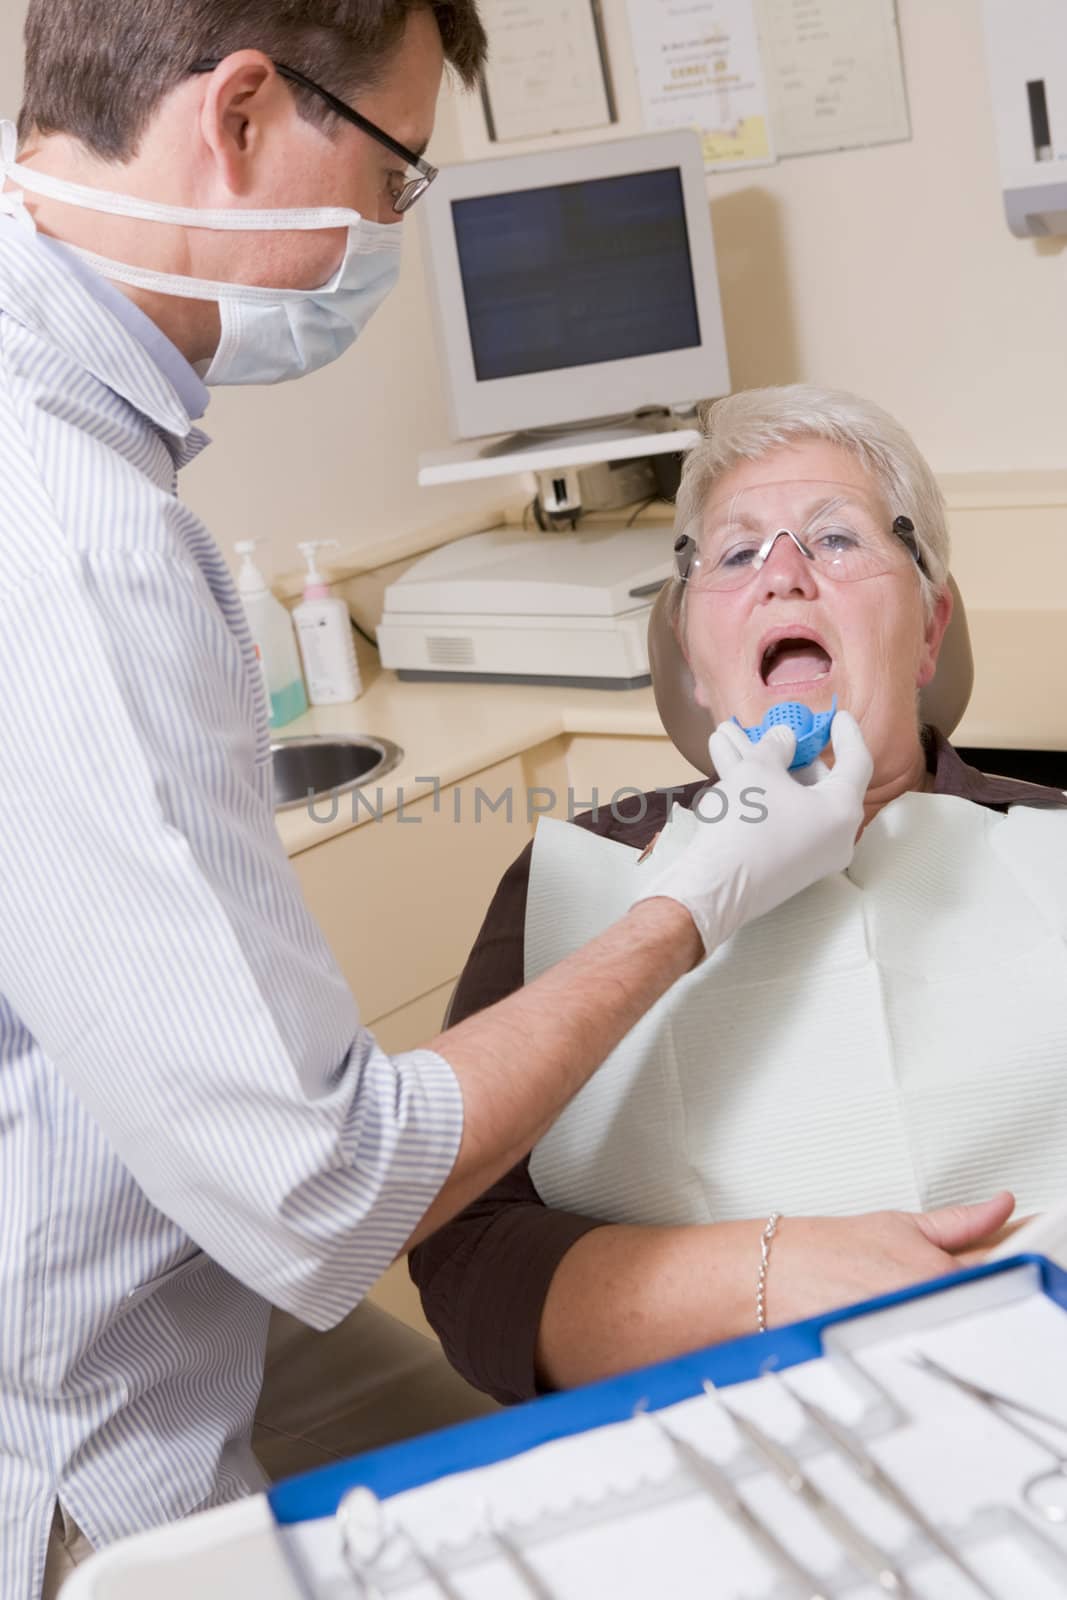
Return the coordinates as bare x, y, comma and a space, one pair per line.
1026, 47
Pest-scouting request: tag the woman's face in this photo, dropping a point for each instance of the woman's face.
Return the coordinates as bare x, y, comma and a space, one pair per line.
866, 641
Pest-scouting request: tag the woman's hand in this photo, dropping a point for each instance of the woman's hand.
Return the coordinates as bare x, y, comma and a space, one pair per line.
820, 1263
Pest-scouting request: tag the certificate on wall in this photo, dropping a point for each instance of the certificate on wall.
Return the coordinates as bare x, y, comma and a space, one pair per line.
547, 70
698, 65
834, 74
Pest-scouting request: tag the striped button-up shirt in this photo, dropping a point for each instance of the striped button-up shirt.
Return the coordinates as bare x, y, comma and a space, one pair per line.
193, 1123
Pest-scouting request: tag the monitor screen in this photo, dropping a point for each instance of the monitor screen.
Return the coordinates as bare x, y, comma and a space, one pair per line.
576, 273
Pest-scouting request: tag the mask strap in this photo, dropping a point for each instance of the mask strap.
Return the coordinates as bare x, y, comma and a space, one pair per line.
299, 219
199, 288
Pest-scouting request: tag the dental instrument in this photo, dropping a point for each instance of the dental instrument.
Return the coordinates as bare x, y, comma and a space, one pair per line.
361, 1526
517, 1561
1002, 1406
870, 1556
365, 1536
721, 1489
869, 1469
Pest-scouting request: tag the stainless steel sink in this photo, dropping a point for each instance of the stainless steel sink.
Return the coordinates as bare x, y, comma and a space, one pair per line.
327, 764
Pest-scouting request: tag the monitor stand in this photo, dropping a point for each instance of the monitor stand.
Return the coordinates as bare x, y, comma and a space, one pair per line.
543, 450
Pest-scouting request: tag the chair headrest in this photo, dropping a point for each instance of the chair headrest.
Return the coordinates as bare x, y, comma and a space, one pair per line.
942, 703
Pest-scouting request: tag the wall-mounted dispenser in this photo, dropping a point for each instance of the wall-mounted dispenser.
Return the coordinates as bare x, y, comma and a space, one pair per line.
1026, 46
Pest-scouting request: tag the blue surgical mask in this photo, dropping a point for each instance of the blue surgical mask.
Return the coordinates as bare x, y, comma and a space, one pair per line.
268, 335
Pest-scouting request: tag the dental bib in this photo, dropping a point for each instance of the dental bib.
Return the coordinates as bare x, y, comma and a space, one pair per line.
893, 1037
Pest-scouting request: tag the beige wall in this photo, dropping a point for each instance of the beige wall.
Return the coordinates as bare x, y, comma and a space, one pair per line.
890, 270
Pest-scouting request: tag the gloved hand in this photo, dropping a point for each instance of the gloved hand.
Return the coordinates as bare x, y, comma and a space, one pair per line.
743, 862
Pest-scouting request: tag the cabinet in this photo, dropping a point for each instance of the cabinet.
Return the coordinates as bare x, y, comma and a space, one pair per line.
401, 900
614, 767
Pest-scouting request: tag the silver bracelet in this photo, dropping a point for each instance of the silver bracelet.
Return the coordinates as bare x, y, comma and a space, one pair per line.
765, 1239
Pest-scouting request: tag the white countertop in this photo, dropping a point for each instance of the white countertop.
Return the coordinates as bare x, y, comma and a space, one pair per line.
449, 731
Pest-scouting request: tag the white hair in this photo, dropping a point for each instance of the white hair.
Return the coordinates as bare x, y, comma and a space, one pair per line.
754, 422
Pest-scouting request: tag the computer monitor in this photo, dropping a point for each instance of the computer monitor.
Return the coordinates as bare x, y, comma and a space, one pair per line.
575, 284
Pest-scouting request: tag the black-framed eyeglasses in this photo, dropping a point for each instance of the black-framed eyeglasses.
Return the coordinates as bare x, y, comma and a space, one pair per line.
405, 195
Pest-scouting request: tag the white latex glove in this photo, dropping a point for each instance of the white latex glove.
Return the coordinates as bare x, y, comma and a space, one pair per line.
741, 863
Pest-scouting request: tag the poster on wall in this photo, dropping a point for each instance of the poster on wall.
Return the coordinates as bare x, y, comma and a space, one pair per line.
835, 77
547, 70
699, 65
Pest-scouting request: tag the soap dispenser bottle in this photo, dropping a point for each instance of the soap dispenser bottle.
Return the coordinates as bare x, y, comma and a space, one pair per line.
324, 629
272, 632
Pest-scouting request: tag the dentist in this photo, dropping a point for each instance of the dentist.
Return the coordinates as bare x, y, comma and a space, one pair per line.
194, 1126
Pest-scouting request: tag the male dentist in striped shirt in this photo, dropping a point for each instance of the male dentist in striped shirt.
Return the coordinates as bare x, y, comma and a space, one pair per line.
194, 1126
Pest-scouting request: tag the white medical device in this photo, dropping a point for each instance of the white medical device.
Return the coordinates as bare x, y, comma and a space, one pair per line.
572, 289
504, 607
1026, 46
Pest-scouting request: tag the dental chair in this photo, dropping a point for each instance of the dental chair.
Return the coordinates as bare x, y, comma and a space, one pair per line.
942, 703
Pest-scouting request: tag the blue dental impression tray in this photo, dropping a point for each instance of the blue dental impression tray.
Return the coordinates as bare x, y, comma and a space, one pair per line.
812, 729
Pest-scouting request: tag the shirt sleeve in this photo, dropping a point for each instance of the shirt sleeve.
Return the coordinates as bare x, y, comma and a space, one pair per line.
155, 942
485, 1275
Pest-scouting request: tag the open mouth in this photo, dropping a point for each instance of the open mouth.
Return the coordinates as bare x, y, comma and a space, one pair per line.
794, 658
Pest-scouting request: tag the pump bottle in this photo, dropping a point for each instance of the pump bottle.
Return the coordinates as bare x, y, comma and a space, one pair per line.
272, 631
324, 629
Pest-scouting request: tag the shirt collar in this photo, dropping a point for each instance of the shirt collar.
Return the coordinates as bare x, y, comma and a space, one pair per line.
39, 289
192, 392
951, 775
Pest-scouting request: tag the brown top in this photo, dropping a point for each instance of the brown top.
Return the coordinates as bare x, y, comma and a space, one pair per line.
484, 1276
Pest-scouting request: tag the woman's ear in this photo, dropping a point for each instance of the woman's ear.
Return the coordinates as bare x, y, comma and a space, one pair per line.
933, 634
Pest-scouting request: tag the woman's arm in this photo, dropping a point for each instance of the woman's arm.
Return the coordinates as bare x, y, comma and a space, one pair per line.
625, 1296
483, 1279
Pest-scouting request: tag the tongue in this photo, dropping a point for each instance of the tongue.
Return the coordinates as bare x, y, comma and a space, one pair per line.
794, 663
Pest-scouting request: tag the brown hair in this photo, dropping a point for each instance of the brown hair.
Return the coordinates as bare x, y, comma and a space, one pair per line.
97, 69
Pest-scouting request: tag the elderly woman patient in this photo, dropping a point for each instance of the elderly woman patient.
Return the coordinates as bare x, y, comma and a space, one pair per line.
880, 1058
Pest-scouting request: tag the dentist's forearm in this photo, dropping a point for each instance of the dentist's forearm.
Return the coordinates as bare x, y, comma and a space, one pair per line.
520, 1061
